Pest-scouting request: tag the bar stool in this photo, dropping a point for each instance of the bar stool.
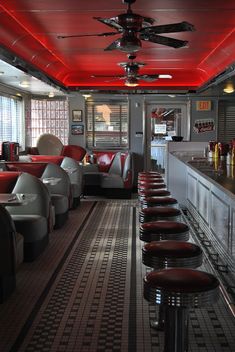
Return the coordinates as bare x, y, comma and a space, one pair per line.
148, 192
164, 230
159, 201
178, 290
144, 193
148, 173
170, 254
150, 180
159, 213
149, 177
149, 183
157, 193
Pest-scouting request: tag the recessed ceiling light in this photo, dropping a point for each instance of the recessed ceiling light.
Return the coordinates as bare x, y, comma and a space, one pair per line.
24, 84
165, 76
86, 96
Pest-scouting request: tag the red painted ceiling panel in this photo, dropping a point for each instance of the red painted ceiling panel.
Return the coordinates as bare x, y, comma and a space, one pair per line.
30, 29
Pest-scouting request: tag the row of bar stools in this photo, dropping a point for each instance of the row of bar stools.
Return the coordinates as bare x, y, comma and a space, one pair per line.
166, 248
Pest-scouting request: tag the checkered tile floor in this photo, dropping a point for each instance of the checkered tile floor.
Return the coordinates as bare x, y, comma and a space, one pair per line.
85, 292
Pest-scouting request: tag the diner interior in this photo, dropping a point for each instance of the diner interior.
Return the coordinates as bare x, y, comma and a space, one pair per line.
117, 176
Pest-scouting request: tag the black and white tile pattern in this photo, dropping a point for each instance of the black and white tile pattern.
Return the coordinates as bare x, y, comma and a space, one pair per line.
93, 300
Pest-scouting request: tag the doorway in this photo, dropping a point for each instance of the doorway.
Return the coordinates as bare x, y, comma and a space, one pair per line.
163, 120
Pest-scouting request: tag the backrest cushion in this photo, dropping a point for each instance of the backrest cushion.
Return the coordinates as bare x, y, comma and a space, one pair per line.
73, 151
63, 186
27, 183
116, 166
104, 160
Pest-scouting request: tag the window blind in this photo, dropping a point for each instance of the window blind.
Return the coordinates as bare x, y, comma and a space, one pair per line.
226, 121
107, 125
11, 120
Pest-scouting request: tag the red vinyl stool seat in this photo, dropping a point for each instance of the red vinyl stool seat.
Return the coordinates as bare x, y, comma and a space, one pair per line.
171, 254
164, 230
148, 173
159, 213
150, 185
178, 290
145, 179
157, 193
159, 201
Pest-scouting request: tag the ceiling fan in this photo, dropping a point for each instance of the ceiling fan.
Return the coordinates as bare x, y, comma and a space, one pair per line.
132, 75
135, 28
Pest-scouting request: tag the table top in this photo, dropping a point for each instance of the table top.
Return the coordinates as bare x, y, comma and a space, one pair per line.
14, 199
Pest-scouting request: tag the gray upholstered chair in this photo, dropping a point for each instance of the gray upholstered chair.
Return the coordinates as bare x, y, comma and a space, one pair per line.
7, 255
33, 219
60, 192
75, 173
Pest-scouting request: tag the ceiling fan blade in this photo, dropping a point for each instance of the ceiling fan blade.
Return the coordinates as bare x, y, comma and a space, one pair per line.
174, 43
169, 28
105, 34
110, 22
148, 78
106, 76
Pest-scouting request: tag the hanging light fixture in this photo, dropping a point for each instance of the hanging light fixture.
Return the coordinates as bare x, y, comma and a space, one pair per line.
131, 82
229, 87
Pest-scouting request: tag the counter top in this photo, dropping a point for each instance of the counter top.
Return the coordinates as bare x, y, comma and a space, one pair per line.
215, 170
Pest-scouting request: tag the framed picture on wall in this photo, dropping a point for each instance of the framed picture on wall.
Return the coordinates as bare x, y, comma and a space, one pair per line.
77, 115
77, 129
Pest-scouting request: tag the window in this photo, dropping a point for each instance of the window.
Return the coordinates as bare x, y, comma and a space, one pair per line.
226, 121
11, 120
107, 124
48, 116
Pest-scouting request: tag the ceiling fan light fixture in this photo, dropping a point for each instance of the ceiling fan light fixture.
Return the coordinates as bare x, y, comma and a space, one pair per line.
24, 84
131, 82
129, 44
229, 88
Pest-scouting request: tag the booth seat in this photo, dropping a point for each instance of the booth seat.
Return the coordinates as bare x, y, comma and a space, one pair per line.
60, 192
49, 144
112, 175
70, 165
32, 219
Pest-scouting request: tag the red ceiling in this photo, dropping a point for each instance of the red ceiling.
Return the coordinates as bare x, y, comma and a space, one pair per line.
30, 28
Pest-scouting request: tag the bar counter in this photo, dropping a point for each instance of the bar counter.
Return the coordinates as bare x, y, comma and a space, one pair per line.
206, 189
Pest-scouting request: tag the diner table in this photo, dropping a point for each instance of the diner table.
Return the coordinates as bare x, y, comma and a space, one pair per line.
15, 199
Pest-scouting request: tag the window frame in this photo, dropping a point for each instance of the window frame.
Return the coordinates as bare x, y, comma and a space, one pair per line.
118, 102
